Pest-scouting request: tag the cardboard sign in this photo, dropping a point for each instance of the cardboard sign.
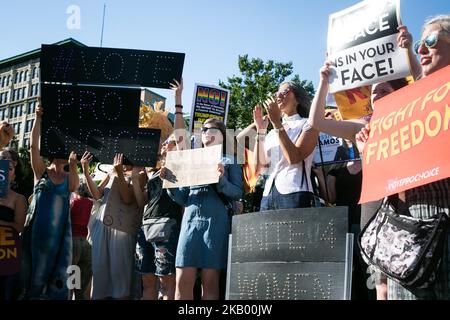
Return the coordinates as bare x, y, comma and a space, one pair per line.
209, 102
10, 251
101, 120
192, 167
409, 136
362, 41
91, 65
289, 254
4, 178
120, 216
354, 103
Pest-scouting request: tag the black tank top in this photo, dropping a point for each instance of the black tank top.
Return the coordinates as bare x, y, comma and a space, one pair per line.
6, 213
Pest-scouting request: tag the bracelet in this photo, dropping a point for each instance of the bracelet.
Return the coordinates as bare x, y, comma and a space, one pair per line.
262, 131
179, 106
179, 112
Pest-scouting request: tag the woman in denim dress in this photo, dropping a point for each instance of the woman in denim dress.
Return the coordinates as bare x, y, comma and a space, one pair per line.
203, 242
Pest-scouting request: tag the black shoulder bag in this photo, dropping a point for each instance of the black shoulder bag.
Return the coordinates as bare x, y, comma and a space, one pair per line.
406, 249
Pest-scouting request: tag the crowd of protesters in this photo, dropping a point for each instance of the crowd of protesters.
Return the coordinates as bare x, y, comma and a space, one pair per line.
62, 224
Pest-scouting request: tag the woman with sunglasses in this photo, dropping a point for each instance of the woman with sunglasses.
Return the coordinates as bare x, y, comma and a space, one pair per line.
426, 201
203, 242
286, 153
348, 130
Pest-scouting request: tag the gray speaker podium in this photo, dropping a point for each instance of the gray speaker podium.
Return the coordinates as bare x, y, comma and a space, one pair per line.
293, 254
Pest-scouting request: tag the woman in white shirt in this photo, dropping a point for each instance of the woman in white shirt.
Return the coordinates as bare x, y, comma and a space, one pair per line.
286, 152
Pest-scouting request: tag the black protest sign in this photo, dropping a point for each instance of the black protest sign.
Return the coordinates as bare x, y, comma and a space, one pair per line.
362, 42
88, 105
287, 281
91, 65
10, 251
101, 120
138, 145
289, 254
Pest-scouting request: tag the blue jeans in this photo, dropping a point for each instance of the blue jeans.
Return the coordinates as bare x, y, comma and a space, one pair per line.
277, 201
157, 258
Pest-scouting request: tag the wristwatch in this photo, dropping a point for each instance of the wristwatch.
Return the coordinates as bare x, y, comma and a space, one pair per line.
277, 130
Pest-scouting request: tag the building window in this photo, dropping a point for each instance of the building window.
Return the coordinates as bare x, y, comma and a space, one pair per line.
31, 107
29, 125
26, 143
2, 114
34, 90
9, 80
25, 77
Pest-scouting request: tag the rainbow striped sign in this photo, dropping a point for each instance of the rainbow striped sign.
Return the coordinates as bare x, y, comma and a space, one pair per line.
209, 102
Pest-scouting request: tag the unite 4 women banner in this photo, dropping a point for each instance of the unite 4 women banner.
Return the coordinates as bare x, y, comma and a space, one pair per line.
362, 42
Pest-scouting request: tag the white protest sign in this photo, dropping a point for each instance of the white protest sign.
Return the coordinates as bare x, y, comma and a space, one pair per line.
192, 167
362, 42
329, 145
334, 150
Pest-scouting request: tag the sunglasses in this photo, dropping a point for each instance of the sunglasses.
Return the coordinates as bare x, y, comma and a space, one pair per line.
283, 92
212, 129
430, 42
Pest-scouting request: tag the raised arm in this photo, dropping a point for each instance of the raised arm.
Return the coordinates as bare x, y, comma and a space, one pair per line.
138, 177
126, 191
37, 164
346, 129
74, 179
405, 41
6, 134
261, 161
305, 144
95, 191
180, 131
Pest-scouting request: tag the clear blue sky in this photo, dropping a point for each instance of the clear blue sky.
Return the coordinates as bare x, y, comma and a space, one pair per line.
212, 33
